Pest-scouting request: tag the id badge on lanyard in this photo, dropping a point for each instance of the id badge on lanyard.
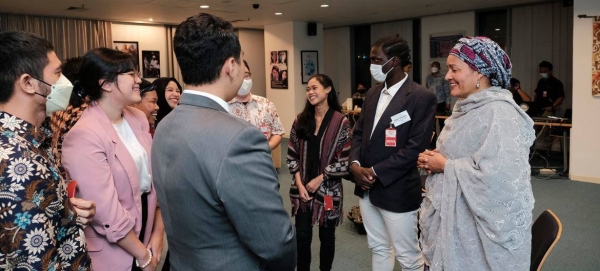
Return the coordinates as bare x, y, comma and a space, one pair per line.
390, 136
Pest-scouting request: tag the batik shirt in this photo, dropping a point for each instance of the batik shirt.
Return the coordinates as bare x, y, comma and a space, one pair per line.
439, 86
38, 229
260, 112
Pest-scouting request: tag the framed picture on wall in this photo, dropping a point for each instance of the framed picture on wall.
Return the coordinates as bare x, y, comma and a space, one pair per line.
441, 44
151, 62
310, 64
279, 69
130, 47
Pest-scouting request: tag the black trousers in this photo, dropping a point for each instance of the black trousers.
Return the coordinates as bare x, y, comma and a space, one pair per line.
304, 239
143, 231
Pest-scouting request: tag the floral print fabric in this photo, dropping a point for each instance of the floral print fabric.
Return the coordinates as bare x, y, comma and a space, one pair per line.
260, 112
38, 229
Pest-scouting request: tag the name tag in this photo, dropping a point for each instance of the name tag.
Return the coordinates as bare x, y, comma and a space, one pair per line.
390, 137
328, 203
400, 118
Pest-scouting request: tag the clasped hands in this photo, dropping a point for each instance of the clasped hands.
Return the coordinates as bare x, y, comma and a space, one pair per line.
431, 161
363, 177
311, 187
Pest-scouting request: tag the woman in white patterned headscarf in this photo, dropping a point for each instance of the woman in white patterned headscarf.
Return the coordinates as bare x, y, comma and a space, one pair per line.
477, 212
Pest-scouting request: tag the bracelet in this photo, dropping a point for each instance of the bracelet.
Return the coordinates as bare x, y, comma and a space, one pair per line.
147, 263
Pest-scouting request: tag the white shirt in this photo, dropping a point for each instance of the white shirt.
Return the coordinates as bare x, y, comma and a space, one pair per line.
387, 94
137, 152
210, 96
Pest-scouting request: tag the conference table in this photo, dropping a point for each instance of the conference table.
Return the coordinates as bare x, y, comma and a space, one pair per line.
539, 122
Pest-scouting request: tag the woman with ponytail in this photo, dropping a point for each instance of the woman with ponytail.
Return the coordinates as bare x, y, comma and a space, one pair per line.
108, 153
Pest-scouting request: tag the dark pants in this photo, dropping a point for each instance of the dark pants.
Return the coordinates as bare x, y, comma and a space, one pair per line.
304, 238
143, 230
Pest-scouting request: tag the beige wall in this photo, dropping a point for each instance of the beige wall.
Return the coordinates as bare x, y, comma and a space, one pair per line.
253, 45
291, 36
585, 146
456, 22
336, 42
149, 38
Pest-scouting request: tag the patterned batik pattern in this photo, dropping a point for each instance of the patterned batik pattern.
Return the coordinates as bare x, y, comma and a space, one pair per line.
38, 228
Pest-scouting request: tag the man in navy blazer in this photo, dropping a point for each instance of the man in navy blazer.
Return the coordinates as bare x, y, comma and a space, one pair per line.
395, 125
215, 181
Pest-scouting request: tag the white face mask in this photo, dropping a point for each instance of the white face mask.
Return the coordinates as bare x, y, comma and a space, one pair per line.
377, 71
59, 96
245, 88
434, 69
544, 75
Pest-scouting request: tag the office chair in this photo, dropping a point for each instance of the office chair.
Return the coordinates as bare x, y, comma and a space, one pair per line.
545, 233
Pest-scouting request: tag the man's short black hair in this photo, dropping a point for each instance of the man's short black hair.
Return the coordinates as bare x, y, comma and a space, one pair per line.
437, 64
395, 46
202, 43
546, 64
514, 81
21, 53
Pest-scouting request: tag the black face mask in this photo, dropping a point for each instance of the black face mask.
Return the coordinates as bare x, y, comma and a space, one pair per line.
361, 90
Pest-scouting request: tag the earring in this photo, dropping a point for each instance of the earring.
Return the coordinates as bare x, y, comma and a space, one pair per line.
477, 86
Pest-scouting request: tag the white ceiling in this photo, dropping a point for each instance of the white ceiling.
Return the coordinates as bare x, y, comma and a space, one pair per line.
339, 12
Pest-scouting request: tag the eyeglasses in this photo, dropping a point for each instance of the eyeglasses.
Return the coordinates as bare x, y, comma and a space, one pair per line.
248, 75
132, 74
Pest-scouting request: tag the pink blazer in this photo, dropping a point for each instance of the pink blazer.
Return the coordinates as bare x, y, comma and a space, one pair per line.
105, 172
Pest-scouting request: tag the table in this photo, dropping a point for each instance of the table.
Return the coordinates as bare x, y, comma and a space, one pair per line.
550, 124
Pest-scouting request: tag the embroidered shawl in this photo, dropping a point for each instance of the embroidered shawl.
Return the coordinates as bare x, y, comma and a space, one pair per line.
477, 214
334, 154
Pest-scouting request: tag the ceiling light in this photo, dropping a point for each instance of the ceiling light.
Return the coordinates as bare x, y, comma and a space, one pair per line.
325, 6
278, 13
497, 29
204, 6
152, 20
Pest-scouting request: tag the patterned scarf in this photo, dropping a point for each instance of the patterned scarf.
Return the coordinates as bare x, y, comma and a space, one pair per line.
486, 57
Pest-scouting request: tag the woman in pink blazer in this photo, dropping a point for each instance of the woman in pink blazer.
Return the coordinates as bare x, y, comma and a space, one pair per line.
108, 153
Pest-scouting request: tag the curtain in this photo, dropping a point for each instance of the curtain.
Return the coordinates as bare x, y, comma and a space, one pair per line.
173, 65
70, 37
543, 32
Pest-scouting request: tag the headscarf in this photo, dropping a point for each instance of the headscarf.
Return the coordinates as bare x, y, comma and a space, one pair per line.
486, 57
163, 105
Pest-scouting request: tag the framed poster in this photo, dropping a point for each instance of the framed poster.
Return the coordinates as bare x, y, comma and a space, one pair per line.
310, 64
151, 61
596, 58
279, 69
441, 44
130, 47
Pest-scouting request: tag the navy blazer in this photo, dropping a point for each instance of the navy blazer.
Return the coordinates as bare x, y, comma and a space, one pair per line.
398, 184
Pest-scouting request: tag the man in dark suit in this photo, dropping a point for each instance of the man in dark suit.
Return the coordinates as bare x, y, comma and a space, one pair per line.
395, 125
216, 185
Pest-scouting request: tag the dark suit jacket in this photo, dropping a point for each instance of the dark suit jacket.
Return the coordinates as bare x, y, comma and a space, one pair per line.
218, 192
398, 185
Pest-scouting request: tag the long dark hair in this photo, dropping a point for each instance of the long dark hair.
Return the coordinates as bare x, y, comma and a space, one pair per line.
306, 119
163, 105
97, 64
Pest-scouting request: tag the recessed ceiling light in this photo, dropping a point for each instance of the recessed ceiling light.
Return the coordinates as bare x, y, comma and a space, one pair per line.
325, 6
278, 13
152, 20
497, 29
204, 6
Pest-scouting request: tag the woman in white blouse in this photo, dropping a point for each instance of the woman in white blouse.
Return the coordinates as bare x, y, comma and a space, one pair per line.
108, 153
